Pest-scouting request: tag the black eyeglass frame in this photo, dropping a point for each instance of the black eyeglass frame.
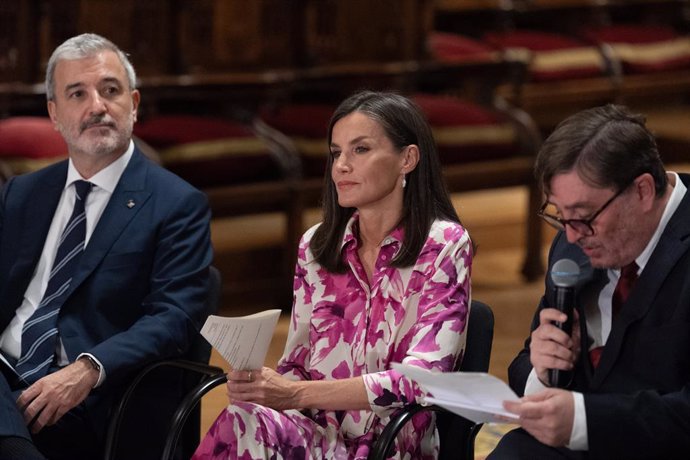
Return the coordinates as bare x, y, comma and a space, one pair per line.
583, 226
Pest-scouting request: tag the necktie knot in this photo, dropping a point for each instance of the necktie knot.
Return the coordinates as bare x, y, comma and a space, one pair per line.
82, 188
629, 272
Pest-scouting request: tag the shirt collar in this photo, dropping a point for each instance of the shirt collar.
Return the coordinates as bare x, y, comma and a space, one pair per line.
671, 206
108, 177
352, 231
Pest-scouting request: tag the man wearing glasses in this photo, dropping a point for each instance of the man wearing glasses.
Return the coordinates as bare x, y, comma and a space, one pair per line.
625, 222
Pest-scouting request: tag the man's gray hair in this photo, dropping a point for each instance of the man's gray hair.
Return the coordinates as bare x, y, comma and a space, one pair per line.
80, 47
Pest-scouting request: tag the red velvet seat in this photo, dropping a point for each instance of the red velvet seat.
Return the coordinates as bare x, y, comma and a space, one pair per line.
467, 132
643, 48
29, 143
209, 151
451, 47
552, 56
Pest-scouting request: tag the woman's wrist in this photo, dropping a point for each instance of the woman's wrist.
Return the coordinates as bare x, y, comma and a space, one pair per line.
299, 391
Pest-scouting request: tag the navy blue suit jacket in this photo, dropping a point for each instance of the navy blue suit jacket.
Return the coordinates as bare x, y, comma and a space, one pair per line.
637, 400
138, 294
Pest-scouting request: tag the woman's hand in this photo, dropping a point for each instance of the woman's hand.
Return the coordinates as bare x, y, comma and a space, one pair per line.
270, 389
262, 386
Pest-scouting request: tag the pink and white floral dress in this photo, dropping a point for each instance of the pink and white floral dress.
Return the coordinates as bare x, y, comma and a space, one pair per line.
342, 326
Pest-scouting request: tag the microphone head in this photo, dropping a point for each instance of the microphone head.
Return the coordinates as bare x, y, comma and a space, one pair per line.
565, 273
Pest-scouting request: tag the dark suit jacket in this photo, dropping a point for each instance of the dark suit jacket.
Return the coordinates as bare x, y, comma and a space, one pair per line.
138, 294
637, 401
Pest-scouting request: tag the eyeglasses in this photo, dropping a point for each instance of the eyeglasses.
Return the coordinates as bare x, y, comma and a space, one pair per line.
582, 226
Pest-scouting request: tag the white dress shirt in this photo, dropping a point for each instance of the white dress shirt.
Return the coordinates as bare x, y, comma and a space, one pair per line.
104, 183
599, 318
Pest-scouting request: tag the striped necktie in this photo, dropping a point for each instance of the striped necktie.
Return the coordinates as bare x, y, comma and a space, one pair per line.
39, 334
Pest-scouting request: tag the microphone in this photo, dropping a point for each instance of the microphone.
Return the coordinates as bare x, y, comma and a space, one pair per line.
564, 275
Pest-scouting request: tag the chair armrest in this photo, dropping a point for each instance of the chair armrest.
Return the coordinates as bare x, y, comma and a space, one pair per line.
385, 440
382, 446
205, 372
185, 408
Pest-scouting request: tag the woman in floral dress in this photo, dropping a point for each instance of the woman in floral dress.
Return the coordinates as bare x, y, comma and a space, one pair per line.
384, 278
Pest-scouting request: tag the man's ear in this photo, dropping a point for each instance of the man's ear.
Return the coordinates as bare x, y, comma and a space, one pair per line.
410, 158
52, 114
136, 97
645, 190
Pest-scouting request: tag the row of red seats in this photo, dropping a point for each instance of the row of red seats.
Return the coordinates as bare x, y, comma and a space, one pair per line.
213, 151
632, 48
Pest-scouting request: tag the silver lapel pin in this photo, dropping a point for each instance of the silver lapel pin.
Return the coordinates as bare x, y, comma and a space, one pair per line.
130, 204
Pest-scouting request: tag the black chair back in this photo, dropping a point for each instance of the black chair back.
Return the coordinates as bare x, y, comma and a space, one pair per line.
457, 433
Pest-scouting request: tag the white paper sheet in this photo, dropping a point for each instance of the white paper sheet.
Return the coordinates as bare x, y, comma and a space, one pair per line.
477, 396
243, 341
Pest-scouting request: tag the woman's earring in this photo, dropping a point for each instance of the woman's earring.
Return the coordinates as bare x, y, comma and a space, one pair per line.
404, 182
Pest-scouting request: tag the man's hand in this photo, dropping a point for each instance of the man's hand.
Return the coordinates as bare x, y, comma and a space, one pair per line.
55, 394
547, 415
550, 347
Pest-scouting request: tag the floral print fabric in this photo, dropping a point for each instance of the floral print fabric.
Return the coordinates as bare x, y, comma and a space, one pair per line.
344, 325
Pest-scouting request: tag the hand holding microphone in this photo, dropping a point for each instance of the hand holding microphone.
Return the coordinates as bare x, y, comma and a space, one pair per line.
564, 275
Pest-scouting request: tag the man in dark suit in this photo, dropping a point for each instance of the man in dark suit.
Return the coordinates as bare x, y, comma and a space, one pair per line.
137, 286
626, 222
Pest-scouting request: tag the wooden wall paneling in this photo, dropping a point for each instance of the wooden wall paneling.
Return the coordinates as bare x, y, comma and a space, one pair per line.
59, 20
339, 31
282, 32
138, 27
151, 33
235, 35
141, 28
107, 18
550, 4
320, 25
17, 40
673, 12
9, 41
195, 40
471, 5
473, 20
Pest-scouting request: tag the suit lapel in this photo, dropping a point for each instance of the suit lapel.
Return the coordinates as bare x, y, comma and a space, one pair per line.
127, 200
589, 284
672, 245
40, 210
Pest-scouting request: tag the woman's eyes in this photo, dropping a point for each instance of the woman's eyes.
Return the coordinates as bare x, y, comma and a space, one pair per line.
357, 149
